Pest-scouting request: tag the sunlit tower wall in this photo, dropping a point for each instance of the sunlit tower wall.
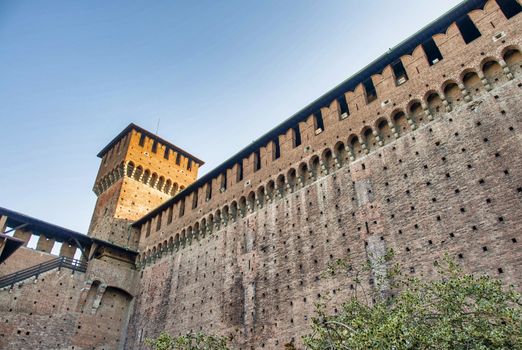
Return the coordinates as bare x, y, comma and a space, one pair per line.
138, 172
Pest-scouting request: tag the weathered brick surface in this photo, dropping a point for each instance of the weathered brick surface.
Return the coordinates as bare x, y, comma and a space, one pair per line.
450, 184
132, 180
431, 167
258, 278
429, 89
62, 310
23, 258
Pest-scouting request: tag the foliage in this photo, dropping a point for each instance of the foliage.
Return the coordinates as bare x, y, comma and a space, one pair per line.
190, 341
453, 311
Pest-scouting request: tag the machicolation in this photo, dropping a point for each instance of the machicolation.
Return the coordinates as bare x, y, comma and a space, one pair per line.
417, 152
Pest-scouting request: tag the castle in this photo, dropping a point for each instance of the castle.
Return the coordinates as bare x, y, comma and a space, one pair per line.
418, 152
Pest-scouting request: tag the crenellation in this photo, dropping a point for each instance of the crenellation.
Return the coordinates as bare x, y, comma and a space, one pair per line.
412, 153
434, 102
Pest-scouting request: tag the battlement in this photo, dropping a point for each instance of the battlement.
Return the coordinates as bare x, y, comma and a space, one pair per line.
416, 153
472, 49
138, 153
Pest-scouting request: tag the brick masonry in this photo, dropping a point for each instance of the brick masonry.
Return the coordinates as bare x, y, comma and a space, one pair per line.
430, 167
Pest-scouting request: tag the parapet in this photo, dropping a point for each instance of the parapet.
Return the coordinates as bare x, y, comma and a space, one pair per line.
24, 227
140, 154
475, 43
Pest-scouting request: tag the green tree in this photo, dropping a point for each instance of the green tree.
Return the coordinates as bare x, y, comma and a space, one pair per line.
190, 341
454, 311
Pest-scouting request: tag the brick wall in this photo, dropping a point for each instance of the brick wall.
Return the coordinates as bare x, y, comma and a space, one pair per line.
451, 186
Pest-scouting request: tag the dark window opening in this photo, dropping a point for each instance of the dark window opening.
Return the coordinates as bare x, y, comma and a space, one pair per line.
509, 8
189, 164
297, 136
195, 199
257, 160
276, 150
224, 181
181, 207
371, 94
239, 171
147, 233
344, 105
142, 140
319, 124
166, 154
432, 52
209, 190
154, 146
468, 29
400, 73
158, 222
178, 158
169, 218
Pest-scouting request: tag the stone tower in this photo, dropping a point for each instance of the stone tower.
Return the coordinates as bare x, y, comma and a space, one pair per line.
138, 172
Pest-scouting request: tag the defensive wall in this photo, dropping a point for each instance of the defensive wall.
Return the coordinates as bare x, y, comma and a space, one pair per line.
421, 158
74, 304
417, 152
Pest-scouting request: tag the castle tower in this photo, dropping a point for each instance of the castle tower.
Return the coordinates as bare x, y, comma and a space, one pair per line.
138, 172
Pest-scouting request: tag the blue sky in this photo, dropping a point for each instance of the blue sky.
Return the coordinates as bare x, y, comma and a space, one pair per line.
218, 74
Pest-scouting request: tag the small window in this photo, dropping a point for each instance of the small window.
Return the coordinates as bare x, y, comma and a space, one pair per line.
224, 181
189, 164
257, 160
239, 171
297, 136
166, 154
182, 207
154, 146
178, 158
276, 149
209, 190
343, 105
169, 218
318, 121
142, 140
509, 8
371, 94
147, 233
399, 72
195, 199
158, 222
432, 52
468, 29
